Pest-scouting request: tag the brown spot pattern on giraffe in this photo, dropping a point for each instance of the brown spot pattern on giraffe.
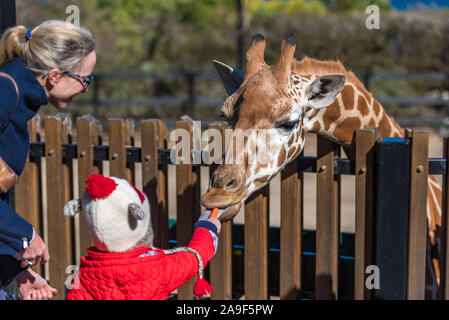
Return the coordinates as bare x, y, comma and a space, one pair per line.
345, 130
384, 126
291, 152
347, 94
376, 108
331, 115
316, 127
292, 139
363, 106
281, 158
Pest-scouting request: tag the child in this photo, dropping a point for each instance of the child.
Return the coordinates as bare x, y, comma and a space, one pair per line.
123, 264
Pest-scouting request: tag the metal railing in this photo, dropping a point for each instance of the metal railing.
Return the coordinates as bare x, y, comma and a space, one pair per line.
190, 99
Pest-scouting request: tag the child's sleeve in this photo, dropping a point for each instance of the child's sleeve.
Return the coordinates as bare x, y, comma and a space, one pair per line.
79, 293
182, 266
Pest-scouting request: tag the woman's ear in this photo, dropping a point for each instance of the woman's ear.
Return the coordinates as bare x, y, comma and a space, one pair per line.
53, 76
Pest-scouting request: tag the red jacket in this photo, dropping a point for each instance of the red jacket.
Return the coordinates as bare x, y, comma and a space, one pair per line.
140, 274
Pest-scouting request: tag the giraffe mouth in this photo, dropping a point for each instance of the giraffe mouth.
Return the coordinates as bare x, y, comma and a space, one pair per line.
224, 214
220, 198
227, 201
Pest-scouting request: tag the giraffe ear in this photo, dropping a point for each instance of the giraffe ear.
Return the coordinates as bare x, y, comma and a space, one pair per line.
321, 93
231, 78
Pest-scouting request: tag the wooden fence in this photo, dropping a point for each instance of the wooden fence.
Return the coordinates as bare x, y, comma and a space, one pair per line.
67, 238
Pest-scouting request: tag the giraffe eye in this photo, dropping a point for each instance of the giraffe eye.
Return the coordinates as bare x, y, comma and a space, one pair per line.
288, 126
223, 116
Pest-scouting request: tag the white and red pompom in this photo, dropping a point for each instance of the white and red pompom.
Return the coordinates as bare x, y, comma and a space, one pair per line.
202, 287
99, 186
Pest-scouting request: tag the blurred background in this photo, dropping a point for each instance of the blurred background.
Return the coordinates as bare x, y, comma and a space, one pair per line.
155, 57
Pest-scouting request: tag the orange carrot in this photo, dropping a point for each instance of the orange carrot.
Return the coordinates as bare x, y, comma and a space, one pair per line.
214, 213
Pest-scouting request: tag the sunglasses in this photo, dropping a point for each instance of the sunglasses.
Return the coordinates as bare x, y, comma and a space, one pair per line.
86, 80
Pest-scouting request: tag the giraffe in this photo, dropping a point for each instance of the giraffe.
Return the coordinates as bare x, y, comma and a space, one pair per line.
289, 99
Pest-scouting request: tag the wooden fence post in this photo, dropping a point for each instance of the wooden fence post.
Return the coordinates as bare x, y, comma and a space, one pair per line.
57, 222
364, 203
129, 142
88, 135
327, 226
154, 176
221, 264
29, 188
291, 231
419, 169
188, 207
67, 166
256, 245
117, 149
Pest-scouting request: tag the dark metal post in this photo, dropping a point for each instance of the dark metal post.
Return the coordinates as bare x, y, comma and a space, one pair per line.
240, 35
189, 107
391, 217
7, 14
96, 96
367, 78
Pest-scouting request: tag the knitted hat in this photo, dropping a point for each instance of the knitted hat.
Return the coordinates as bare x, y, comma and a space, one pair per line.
116, 214
117, 218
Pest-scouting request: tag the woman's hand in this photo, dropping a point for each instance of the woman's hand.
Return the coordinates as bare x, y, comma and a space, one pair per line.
35, 253
33, 287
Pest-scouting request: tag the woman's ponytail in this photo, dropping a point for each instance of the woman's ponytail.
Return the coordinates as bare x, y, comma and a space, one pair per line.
12, 43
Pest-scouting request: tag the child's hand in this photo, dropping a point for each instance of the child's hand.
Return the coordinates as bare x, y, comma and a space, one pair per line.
33, 287
216, 222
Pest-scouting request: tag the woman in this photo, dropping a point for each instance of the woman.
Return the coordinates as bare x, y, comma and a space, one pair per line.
51, 63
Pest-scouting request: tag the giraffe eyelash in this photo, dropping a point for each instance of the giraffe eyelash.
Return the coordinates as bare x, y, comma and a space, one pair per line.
287, 126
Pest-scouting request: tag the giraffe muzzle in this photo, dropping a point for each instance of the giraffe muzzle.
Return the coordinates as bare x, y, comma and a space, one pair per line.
227, 190
221, 198
223, 214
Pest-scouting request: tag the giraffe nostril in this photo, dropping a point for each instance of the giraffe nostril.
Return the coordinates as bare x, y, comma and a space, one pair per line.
231, 184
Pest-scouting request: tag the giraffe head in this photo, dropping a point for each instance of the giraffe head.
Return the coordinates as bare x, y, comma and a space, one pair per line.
268, 110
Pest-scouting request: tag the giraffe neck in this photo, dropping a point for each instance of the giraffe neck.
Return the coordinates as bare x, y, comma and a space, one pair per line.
354, 108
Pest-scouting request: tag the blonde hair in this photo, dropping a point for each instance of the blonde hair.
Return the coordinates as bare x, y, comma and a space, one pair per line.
53, 44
